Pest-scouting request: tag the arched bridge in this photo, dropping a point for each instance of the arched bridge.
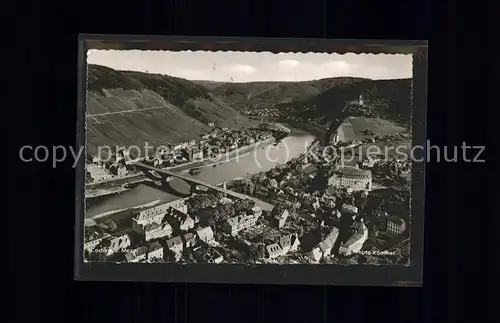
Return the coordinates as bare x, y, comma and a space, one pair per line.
193, 181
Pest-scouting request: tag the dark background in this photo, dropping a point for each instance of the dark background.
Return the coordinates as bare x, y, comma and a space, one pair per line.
41, 43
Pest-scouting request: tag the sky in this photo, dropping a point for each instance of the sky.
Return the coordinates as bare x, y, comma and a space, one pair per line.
252, 67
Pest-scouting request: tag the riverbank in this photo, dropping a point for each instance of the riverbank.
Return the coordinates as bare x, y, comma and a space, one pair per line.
252, 159
317, 131
113, 181
117, 185
235, 154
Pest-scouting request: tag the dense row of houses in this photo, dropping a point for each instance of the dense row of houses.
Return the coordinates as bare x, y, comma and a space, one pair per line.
235, 224
355, 243
325, 246
352, 245
93, 237
158, 232
224, 139
283, 245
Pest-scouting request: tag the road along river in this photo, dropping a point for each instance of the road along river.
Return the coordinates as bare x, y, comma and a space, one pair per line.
260, 158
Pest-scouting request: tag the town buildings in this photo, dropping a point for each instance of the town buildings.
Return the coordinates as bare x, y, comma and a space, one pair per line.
92, 238
311, 170
211, 256
257, 211
180, 221
157, 213
190, 239
368, 163
118, 243
349, 209
155, 251
284, 244
237, 223
273, 250
325, 246
279, 219
154, 230
356, 241
137, 255
352, 179
289, 243
196, 153
206, 235
395, 226
334, 138
175, 245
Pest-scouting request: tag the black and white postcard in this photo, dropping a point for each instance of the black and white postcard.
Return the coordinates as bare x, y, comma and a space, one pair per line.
250, 160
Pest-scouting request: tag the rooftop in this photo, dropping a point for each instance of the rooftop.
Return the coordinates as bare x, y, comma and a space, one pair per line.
273, 248
190, 237
93, 233
398, 221
155, 246
348, 208
174, 241
354, 172
286, 240
311, 168
178, 215
236, 220
329, 240
205, 232
211, 254
152, 226
136, 253
357, 236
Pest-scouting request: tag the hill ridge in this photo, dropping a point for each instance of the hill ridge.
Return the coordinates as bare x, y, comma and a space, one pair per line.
131, 108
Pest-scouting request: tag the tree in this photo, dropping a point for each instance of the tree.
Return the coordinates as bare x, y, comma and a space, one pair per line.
219, 196
257, 250
223, 212
243, 205
248, 187
113, 169
360, 199
200, 201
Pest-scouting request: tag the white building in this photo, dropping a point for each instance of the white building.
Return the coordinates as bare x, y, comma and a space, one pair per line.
395, 226
352, 179
155, 251
154, 230
237, 223
118, 243
356, 241
324, 248
92, 238
285, 244
206, 235
137, 255
157, 213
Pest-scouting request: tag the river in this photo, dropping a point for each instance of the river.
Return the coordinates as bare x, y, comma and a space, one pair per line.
261, 158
